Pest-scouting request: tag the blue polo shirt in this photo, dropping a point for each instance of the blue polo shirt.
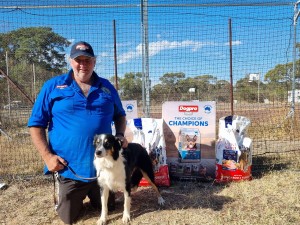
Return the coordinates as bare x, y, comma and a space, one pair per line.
73, 119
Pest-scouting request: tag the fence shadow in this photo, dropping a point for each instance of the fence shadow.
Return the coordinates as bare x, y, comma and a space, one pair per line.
265, 164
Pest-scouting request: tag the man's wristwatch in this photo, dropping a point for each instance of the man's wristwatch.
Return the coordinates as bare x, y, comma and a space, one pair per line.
120, 134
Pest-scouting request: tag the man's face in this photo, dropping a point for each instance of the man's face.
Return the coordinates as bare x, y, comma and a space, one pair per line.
83, 67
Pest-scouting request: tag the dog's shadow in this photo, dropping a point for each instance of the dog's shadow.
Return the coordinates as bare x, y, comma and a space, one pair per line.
181, 195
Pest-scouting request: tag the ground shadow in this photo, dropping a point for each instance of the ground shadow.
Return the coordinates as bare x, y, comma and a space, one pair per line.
180, 195
262, 165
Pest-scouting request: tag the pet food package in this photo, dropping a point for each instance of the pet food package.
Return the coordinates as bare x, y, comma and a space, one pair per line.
161, 177
149, 133
189, 145
233, 150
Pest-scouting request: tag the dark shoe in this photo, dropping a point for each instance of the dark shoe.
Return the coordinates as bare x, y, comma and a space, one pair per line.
111, 204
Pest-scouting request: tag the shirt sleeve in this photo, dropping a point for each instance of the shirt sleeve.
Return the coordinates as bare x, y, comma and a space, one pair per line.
41, 111
118, 108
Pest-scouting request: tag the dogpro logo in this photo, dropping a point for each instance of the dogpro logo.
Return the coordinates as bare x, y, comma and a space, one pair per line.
188, 108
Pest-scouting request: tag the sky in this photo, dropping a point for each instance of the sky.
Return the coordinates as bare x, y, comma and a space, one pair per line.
184, 36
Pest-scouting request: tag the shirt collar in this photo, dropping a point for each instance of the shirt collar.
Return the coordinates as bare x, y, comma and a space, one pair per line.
96, 83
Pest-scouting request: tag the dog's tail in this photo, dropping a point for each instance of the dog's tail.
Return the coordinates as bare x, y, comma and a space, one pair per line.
137, 174
136, 178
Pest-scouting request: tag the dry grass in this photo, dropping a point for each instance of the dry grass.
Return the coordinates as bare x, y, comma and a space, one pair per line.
272, 198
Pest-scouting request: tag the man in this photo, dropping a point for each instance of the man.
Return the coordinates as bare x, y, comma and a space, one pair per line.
74, 107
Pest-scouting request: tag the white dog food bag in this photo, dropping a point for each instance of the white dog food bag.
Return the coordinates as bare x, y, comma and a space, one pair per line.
233, 150
149, 133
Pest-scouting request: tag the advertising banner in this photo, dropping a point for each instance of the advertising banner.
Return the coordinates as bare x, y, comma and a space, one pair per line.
130, 107
131, 110
190, 134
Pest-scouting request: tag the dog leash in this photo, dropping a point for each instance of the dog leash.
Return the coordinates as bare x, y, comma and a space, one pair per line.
80, 177
55, 177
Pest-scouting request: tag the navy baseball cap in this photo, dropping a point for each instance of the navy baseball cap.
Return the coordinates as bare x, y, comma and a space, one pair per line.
81, 48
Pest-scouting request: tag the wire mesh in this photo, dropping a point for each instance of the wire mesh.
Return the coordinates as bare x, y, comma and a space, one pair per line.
188, 48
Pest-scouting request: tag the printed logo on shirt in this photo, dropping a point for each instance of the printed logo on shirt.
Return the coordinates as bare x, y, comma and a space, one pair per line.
105, 90
61, 86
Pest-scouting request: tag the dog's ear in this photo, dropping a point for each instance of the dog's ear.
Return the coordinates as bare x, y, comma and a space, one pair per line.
116, 148
187, 137
95, 139
118, 144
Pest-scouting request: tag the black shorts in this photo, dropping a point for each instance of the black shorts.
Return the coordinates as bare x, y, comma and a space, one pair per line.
71, 194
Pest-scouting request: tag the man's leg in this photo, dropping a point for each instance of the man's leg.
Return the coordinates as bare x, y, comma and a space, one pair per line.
71, 196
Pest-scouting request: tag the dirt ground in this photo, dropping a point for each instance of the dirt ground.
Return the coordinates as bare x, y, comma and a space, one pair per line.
271, 198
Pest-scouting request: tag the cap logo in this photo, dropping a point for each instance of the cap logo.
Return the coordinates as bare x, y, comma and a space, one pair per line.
82, 47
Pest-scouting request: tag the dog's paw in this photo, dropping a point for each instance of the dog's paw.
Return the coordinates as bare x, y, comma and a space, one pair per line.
161, 201
126, 218
101, 221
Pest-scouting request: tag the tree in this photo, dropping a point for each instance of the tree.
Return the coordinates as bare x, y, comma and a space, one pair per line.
171, 78
245, 91
184, 87
171, 81
32, 50
250, 91
222, 91
38, 45
279, 80
281, 72
206, 87
131, 86
158, 93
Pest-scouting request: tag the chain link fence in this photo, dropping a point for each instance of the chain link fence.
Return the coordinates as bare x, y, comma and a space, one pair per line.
242, 55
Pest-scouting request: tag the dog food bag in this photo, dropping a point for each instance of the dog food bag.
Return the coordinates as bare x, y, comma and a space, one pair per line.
233, 150
149, 133
161, 178
189, 145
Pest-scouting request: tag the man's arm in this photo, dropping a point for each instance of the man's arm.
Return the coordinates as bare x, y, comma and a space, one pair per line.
120, 125
39, 139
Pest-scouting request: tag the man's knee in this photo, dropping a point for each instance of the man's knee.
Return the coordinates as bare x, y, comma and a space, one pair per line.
70, 200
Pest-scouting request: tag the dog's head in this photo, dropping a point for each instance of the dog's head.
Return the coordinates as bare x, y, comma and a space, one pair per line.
244, 156
107, 145
191, 142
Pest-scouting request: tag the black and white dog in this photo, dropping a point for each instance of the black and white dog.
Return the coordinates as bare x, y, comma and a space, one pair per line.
121, 169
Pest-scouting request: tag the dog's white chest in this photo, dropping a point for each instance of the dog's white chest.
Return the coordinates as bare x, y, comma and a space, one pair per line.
112, 174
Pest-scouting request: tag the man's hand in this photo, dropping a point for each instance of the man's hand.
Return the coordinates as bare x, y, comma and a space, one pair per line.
123, 140
55, 163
